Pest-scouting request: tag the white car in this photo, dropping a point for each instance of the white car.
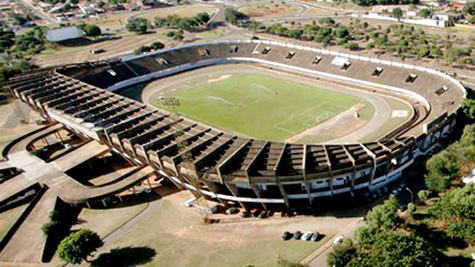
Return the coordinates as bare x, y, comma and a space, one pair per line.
306, 236
338, 240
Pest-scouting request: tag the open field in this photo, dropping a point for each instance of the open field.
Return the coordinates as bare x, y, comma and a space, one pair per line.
181, 11
111, 20
270, 9
179, 238
10, 121
126, 43
260, 106
105, 221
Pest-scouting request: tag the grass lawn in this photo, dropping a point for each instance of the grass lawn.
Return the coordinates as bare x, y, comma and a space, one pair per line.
105, 221
180, 239
269, 9
8, 218
110, 20
182, 11
260, 106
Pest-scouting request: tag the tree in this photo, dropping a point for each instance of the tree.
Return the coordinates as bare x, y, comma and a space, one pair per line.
352, 46
326, 21
281, 262
138, 25
78, 246
469, 8
233, 16
142, 49
7, 38
397, 13
342, 32
397, 249
423, 195
426, 12
456, 209
92, 30
157, 45
469, 108
384, 216
32, 41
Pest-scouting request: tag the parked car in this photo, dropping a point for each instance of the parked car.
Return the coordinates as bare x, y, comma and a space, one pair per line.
263, 214
338, 240
306, 236
255, 212
97, 51
297, 235
286, 236
232, 210
315, 236
245, 213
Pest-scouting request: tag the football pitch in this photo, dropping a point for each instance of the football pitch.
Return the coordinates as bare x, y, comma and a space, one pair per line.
260, 106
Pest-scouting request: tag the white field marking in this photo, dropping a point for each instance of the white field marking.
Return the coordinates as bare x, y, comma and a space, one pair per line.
220, 78
223, 100
296, 114
399, 114
265, 88
282, 129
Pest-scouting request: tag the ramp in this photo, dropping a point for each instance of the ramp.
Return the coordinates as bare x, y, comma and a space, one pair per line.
82, 154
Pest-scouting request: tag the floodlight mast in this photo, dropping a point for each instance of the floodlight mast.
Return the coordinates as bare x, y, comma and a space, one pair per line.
187, 160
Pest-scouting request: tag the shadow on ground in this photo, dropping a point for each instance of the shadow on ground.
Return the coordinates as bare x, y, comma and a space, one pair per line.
125, 257
89, 41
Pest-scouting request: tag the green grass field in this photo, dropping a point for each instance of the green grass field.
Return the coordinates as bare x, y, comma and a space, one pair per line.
168, 231
260, 106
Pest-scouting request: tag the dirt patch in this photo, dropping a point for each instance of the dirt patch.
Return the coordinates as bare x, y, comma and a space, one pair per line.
221, 78
337, 126
270, 10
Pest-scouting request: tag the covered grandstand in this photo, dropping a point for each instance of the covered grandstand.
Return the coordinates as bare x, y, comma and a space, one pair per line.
83, 97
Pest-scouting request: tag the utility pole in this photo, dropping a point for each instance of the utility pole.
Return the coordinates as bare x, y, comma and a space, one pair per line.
187, 161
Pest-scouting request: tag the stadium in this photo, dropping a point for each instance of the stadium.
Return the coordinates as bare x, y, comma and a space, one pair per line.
256, 123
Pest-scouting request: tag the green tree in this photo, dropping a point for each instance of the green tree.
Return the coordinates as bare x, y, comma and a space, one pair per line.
92, 30
326, 21
426, 12
397, 13
78, 246
423, 195
456, 209
342, 32
138, 25
233, 16
384, 216
469, 8
281, 262
157, 45
7, 38
397, 249
469, 107
142, 49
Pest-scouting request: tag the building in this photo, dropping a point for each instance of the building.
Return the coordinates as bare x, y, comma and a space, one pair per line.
226, 167
64, 34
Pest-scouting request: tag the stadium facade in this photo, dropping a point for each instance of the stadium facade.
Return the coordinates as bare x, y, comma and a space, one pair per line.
83, 97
